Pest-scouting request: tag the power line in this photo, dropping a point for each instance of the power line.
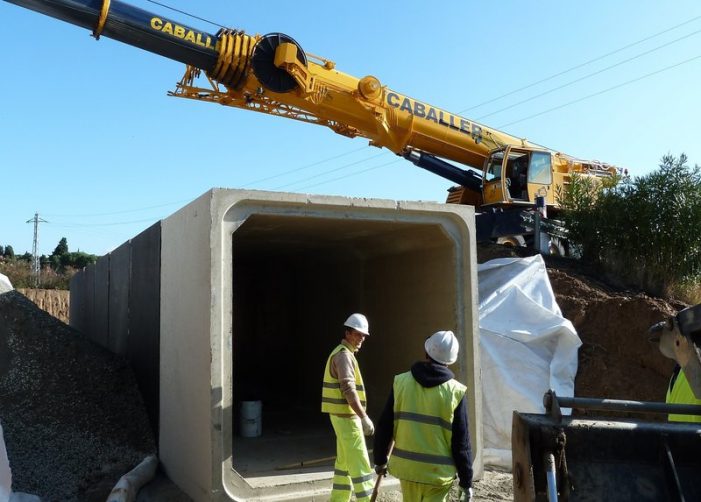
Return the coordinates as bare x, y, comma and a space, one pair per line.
589, 75
83, 225
302, 168
572, 68
602, 91
328, 171
118, 212
350, 175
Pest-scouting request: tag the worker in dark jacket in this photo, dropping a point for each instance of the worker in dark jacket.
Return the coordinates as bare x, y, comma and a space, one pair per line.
426, 416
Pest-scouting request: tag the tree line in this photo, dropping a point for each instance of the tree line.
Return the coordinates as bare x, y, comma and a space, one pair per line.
56, 269
644, 230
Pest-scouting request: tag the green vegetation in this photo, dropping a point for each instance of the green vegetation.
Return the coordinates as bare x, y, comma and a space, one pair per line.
56, 269
646, 230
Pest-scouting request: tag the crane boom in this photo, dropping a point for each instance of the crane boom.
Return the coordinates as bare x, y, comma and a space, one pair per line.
272, 74
131, 25
292, 85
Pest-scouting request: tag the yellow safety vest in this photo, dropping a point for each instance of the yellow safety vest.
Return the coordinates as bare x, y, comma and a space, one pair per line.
681, 393
332, 400
423, 430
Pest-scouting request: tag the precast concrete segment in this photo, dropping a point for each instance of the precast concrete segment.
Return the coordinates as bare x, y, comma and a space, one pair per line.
118, 294
79, 302
409, 265
101, 313
144, 316
240, 296
117, 306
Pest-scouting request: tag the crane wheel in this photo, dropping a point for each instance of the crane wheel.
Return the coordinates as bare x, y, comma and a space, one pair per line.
263, 63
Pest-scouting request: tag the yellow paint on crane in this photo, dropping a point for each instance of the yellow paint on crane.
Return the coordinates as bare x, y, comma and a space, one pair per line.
183, 33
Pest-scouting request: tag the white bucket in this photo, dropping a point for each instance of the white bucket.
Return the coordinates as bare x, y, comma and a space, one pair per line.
251, 422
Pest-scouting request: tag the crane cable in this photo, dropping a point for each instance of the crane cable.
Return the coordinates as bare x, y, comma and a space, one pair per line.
187, 14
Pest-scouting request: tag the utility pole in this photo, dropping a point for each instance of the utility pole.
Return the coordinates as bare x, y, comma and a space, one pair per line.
36, 265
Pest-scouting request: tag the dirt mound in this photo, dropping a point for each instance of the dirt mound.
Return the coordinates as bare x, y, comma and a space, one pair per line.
616, 359
73, 419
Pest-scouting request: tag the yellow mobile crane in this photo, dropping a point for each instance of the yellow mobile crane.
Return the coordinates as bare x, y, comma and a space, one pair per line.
272, 74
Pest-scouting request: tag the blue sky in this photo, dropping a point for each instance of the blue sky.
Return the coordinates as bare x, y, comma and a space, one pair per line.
91, 141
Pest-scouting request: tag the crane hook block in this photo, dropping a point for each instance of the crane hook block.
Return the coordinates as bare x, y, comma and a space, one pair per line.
263, 63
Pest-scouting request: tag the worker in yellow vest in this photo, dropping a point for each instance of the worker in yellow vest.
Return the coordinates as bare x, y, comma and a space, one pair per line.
343, 398
679, 392
426, 416
679, 338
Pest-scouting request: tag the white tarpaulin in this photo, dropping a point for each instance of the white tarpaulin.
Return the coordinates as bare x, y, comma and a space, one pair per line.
527, 347
5, 284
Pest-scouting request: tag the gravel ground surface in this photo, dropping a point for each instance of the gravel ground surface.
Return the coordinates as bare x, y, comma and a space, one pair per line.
494, 486
73, 419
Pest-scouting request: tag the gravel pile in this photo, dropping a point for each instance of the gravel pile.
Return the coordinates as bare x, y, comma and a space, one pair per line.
73, 418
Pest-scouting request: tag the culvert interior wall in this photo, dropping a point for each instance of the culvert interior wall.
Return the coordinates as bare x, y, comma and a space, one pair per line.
295, 280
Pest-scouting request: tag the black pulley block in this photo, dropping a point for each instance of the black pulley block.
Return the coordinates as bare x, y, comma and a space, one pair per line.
263, 63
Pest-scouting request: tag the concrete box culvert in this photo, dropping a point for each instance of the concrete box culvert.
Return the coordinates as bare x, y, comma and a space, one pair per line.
254, 288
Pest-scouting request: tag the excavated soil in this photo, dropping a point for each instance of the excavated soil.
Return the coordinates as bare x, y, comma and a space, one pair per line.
71, 410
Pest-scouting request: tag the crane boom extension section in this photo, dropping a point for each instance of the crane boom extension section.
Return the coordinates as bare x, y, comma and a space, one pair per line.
272, 74
133, 26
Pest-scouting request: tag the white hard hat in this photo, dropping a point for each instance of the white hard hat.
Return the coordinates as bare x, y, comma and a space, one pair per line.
442, 347
359, 323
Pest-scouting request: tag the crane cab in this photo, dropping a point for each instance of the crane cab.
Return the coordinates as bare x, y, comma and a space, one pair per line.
516, 175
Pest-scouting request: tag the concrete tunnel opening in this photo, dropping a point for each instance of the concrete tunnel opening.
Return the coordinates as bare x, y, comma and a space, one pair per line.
294, 281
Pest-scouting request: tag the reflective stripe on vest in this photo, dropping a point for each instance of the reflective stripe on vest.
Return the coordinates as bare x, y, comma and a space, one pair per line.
681, 393
332, 399
423, 430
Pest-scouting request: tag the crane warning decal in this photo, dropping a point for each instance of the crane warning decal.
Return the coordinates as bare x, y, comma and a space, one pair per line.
436, 115
183, 33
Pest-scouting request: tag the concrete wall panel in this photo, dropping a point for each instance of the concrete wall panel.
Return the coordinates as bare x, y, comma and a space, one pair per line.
100, 328
120, 275
78, 302
187, 394
90, 324
144, 316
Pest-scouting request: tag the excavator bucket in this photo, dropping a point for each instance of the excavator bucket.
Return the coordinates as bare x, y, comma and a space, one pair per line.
566, 458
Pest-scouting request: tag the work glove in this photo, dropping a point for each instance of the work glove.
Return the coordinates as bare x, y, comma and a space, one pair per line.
368, 428
465, 495
381, 470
